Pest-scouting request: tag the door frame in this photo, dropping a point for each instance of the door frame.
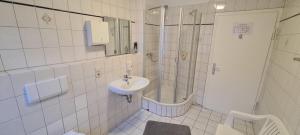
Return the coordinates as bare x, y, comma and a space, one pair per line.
269, 52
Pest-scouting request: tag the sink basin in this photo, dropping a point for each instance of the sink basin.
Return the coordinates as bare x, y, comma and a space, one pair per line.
135, 84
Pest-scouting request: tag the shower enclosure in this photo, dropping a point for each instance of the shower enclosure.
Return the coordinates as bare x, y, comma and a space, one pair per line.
171, 36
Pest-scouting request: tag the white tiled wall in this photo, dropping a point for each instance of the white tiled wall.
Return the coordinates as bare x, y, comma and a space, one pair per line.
32, 50
281, 92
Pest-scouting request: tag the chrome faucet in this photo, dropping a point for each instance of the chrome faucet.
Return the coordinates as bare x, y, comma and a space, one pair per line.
126, 78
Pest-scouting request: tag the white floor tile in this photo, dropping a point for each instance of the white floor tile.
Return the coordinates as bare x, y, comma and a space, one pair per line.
196, 131
200, 125
188, 122
201, 122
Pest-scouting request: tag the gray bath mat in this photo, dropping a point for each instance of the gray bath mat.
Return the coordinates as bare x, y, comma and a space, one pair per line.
160, 128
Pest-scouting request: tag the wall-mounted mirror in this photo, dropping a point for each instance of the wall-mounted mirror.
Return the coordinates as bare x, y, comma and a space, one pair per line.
124, 31
119, 37
112, 48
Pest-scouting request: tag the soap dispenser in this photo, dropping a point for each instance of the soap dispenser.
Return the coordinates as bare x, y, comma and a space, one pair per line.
135, 47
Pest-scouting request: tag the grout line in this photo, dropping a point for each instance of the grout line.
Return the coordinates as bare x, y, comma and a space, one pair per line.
59, 103
42, 41
86, 99
60, 63
19, 32
288, 18
42, 108
54, 9
11, 81
207, 122
73, 98
58, 39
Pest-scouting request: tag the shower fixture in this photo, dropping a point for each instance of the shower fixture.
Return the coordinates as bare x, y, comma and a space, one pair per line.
183, 55
171, 82
193, 12
150, 55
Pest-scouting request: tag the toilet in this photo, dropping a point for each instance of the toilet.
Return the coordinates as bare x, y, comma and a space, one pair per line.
73, 133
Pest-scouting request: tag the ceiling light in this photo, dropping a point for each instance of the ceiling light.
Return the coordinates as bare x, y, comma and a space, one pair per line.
219, 6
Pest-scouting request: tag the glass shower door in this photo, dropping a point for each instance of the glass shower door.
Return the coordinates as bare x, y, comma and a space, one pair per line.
171, 43
189, 31
153, 30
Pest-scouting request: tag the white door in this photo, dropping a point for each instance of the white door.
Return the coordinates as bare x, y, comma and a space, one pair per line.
239, 52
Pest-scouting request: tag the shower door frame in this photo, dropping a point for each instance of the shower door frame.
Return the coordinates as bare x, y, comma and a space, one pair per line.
161, 49
178, 53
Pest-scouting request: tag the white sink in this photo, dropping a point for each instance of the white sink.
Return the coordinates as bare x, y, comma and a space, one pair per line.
134, 85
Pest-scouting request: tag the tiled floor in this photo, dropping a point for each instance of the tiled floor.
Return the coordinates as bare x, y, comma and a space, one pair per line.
201, 122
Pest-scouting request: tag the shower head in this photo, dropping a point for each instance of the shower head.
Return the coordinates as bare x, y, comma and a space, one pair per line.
156, 10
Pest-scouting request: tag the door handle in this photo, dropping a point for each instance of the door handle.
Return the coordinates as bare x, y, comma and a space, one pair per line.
214, 69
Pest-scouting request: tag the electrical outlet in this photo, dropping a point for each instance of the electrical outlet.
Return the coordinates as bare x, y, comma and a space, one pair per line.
98, 74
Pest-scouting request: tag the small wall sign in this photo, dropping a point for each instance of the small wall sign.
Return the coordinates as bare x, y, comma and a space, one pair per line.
242, 29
